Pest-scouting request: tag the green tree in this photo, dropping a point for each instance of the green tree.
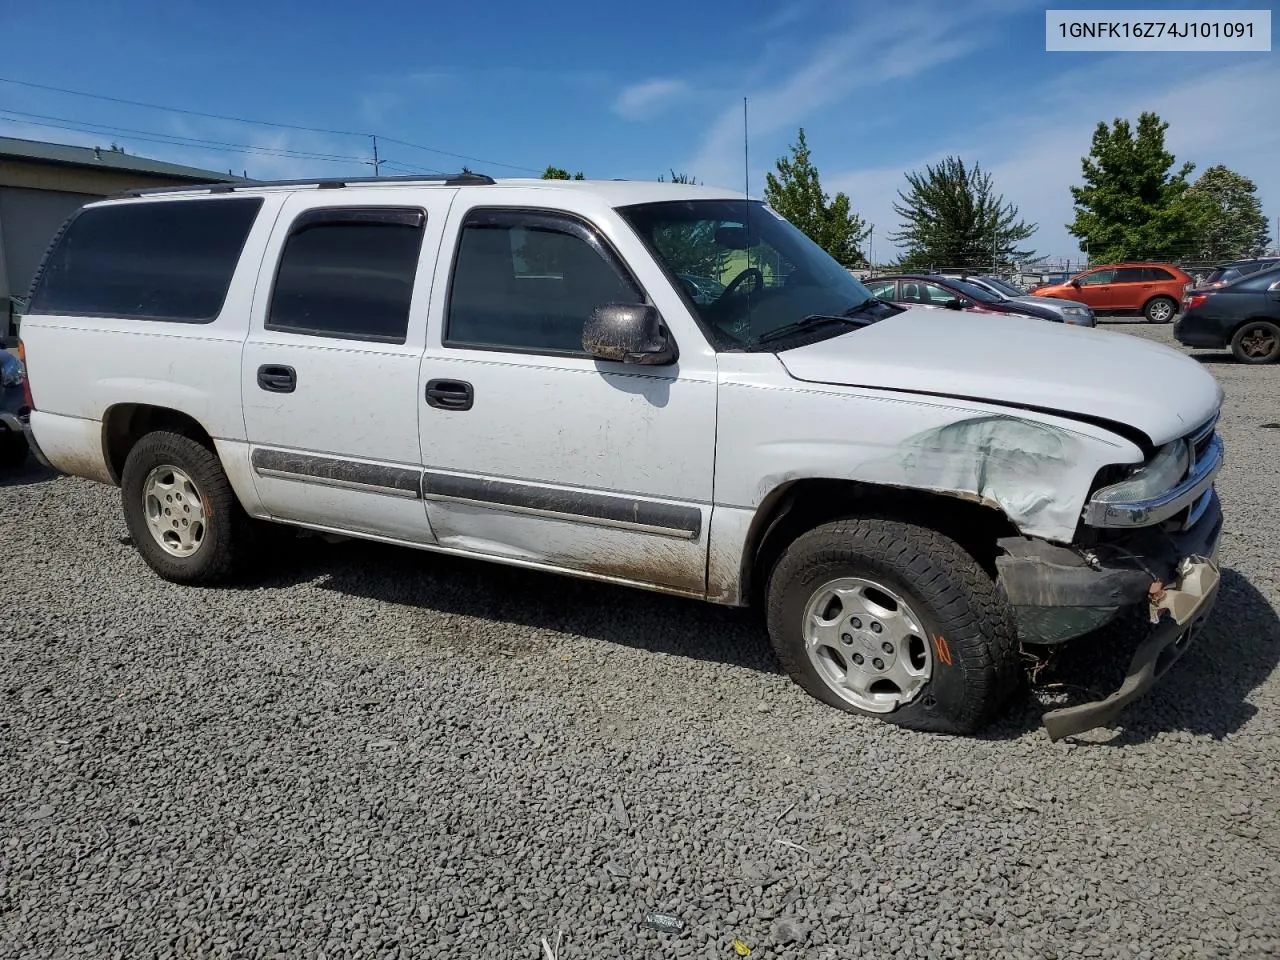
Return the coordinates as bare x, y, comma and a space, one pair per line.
680, 178
796, 193
1232, 224
560, 173
1133, 205
953, 217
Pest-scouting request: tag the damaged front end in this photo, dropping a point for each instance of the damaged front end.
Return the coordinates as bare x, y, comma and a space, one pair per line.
1157, 552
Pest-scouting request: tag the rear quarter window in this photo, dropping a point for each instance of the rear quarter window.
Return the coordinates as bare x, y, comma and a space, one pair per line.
167, 260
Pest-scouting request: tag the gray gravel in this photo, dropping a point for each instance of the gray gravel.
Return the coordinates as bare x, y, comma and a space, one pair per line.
382, 753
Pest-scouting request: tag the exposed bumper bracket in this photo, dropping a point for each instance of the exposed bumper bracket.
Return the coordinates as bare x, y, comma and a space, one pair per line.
1178, 613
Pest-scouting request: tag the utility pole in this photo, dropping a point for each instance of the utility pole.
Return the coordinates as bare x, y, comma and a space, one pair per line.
746, 166
871, 243
376, 172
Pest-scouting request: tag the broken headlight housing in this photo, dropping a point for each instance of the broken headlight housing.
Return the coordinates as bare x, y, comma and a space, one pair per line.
1161, 473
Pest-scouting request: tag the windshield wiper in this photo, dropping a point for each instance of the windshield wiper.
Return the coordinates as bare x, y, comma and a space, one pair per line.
813, 320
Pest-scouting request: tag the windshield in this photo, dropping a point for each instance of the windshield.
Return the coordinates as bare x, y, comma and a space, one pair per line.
974, 292
747, 271
1008, 289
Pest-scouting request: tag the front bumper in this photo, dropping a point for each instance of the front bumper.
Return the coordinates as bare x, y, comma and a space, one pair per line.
1059, 593
1195, 594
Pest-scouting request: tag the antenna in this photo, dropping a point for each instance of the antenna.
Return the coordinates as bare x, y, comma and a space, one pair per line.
375, 155
746, 166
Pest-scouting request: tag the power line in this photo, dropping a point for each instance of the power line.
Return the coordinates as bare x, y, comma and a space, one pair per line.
190, 113
177, 139
264, 123
171, 142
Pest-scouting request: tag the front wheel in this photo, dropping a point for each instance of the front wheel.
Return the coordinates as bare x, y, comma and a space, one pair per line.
894, 621
1258, 341
182, 514
1160, 310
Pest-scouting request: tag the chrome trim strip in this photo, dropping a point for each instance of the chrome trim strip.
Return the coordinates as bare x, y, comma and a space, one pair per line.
1146, 513
1204, 431
576, 506
336, 482
337, 472
561, 515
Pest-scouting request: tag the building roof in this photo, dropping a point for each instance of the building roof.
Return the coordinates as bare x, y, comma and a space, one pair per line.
103, 158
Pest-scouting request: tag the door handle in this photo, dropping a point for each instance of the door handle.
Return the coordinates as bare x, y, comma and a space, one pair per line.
450, 394
277, 378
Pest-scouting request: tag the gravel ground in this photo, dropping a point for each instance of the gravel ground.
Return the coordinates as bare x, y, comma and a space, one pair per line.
383, 753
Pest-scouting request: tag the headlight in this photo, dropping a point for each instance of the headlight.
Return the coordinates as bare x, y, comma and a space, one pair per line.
1160, 474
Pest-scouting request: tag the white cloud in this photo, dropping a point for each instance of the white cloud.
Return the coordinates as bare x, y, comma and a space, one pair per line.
854, 58
1213, 118
643, 100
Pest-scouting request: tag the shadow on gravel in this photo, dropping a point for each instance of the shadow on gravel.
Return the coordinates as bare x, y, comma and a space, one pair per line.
29, 473
527, 598
1205, 693
1213, 359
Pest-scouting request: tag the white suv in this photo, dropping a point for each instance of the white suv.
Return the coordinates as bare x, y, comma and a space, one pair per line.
514, 371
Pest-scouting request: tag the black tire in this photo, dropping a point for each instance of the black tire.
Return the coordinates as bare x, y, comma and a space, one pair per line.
1257, 341
1160, 310
13, 449
975, 667
226, 544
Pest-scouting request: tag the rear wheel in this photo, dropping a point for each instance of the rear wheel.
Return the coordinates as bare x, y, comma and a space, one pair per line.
1160, 310
181, 512
1258, 341
894, 621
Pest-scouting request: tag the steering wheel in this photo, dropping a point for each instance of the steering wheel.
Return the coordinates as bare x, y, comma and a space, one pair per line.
736, 282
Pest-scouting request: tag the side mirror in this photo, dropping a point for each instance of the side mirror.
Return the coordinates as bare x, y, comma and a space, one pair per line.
628, 333
1074, 283
954, 304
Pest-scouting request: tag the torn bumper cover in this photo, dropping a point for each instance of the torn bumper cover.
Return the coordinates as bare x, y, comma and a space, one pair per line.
1059, 593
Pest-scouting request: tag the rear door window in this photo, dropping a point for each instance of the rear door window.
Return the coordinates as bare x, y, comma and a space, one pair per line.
1131, 275
348, 272
157, 260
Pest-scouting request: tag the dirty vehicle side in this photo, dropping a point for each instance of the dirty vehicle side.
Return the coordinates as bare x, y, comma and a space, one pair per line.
514, 371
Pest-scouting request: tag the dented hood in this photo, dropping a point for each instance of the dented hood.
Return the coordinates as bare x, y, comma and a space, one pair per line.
1018, 361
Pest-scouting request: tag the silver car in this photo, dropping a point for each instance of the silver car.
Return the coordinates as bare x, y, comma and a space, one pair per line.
1071, 311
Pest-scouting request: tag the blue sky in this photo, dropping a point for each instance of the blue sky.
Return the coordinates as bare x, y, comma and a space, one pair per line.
633, 90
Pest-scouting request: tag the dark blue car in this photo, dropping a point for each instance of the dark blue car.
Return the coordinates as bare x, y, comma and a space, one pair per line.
13, 412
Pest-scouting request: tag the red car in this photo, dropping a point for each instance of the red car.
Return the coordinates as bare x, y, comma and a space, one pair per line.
1152, 289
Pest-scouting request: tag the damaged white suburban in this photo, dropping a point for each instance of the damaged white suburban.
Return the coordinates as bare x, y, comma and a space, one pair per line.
657, 385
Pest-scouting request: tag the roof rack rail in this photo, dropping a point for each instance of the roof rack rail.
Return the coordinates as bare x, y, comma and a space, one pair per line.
320, 183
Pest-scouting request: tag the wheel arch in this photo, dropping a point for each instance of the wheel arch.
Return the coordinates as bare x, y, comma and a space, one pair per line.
795, 507
124, 424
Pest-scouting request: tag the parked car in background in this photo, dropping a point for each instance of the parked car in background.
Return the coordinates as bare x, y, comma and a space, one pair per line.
13, 411
1152, 289
1069, 311
930, 290
1227, 273
1244, 315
